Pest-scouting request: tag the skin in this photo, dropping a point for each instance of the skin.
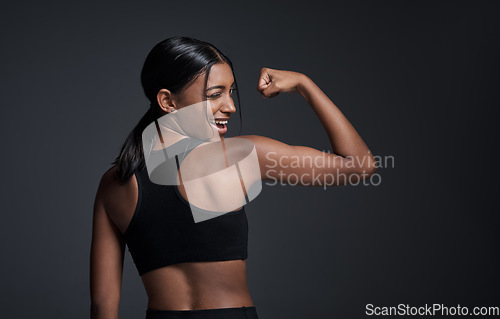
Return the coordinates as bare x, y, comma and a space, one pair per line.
205, 285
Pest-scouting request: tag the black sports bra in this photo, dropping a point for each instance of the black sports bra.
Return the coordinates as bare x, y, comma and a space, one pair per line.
163, 232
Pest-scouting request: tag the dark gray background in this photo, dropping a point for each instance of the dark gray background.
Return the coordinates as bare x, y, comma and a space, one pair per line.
418, 81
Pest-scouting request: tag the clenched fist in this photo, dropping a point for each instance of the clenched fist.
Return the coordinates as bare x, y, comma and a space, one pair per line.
272, 82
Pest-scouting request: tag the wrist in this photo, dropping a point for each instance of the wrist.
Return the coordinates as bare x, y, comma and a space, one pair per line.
302, 85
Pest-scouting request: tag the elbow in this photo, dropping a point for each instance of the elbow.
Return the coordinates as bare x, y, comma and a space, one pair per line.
368, 171
368, 168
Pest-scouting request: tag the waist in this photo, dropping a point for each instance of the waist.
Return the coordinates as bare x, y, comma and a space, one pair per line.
198, 285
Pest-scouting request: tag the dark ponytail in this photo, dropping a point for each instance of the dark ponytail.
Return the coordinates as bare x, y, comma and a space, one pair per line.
171, 64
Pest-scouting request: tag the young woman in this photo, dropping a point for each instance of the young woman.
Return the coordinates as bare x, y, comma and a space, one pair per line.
196, 269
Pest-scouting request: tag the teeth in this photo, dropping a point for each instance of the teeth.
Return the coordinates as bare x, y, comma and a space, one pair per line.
220, 122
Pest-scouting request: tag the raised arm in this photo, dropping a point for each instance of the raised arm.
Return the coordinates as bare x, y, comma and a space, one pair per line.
106, 259
350, 161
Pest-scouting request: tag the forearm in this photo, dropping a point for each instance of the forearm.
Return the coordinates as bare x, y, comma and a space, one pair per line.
344, 139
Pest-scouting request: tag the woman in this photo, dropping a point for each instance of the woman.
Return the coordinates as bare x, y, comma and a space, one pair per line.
193, 269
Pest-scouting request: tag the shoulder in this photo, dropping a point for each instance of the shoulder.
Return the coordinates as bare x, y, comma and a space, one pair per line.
118, 198
109, 183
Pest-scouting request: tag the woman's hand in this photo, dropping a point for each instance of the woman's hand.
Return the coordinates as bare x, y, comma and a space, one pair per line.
272, 82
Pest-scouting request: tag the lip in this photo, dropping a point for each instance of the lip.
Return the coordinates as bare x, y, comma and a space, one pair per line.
221, 132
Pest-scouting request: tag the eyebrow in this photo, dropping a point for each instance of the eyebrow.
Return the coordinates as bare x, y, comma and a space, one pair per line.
218, 87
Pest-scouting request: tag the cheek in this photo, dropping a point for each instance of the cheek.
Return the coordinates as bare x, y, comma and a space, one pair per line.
215, 107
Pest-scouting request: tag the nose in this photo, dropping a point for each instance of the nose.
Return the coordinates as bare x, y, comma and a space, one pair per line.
228, 106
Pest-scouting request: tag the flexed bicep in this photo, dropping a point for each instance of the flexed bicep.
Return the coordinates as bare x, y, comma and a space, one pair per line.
306, 166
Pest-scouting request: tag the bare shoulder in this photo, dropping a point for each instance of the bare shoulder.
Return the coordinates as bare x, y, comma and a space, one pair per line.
108, 183
119, 198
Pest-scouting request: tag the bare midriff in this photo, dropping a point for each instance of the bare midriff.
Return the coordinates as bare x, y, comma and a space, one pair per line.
198, 285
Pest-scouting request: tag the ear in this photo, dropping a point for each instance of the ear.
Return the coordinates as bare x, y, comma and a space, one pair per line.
165, 100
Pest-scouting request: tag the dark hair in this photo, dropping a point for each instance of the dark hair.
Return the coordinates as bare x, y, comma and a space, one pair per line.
171, 64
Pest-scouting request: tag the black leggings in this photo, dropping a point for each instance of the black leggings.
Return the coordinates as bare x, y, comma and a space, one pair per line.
217, 313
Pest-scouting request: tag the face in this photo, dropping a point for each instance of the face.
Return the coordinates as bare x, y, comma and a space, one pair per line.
220, 88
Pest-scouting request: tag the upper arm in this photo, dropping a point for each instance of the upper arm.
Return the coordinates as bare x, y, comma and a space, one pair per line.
106, 255
307, 166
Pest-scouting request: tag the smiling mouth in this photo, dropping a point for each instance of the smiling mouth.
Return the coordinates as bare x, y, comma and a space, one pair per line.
220, 125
